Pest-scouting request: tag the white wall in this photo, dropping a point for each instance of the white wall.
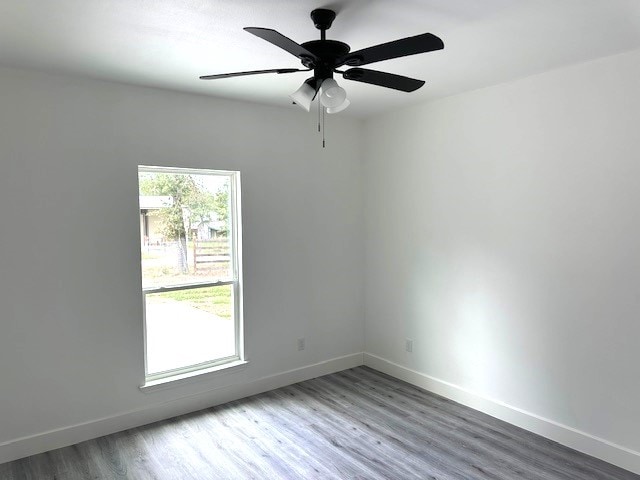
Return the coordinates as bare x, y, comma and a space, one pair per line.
503, 234
71, 338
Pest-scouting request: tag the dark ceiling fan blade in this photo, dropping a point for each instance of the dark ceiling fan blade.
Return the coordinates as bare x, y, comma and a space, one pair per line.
426, 42
383, 79
252, 72
283, 42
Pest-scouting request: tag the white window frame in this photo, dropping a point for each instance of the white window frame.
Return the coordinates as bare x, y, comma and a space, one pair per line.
235, 281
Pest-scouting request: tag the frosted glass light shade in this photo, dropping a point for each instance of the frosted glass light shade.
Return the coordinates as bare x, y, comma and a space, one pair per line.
333, 95
339, 108
304, 96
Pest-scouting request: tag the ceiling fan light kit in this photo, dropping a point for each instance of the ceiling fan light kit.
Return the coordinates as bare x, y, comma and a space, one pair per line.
339, 108
305, 94
333, 95
324, 57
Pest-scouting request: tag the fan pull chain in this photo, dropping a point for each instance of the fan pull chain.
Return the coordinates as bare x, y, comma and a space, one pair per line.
321, 112
323, 129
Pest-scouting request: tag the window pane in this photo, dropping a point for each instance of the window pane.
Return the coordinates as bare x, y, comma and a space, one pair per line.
185, 228
188, 327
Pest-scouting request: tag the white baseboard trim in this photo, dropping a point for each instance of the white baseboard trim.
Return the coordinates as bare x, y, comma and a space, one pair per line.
571, 437
70, 435
568, 436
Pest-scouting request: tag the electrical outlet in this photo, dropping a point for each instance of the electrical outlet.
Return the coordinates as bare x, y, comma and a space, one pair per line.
301, 344
408, 345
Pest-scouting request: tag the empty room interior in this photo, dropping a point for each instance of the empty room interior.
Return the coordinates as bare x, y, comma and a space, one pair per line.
304, 239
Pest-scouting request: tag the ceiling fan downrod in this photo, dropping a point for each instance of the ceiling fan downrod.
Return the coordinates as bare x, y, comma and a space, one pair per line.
323, 19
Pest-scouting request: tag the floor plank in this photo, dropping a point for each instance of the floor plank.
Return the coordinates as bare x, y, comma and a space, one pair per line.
355, 424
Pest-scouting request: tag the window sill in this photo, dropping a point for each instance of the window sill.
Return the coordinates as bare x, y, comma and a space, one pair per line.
190, 377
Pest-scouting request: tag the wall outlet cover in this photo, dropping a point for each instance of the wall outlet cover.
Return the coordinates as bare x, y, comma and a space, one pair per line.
408, 345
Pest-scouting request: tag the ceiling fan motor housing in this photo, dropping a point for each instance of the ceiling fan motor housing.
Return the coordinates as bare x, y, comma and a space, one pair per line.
326, 52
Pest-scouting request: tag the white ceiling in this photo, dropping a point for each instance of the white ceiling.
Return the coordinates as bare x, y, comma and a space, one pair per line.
169, 43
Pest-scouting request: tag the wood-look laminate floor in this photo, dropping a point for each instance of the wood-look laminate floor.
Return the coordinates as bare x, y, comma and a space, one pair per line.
356, 424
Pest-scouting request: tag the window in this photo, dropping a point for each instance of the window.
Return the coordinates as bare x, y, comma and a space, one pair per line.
190, 259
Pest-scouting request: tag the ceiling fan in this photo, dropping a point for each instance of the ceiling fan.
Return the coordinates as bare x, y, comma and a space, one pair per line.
325, 57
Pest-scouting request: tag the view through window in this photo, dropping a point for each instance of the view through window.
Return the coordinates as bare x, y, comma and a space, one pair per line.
189, 233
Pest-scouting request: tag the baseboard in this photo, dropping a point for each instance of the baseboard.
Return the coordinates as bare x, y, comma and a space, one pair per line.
573, 438
568, 436
62, 437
